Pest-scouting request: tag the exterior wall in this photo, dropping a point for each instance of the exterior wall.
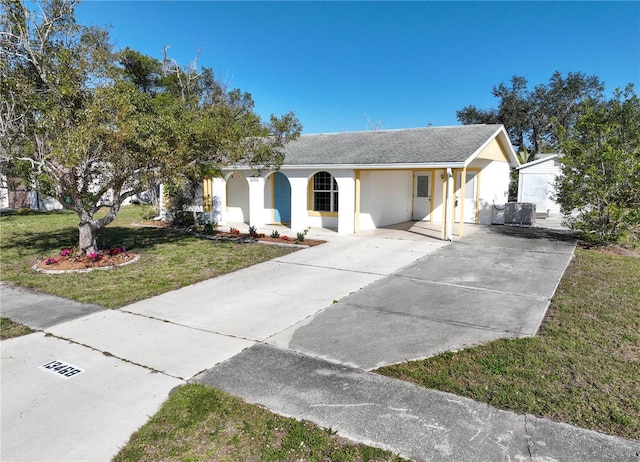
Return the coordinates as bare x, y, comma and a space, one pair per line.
493, 187
237, 198
494, 151
385, 198
438, 206
535, 184
219, 200
268, 199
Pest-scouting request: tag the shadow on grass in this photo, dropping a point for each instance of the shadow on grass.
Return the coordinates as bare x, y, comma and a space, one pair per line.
136, 239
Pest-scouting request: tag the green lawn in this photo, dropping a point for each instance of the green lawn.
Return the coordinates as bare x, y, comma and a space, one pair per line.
200, 423
170, 259
584, 366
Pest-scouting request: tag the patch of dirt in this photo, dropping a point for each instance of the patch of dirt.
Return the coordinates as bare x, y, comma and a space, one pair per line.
73, 263
153, 223
613, 249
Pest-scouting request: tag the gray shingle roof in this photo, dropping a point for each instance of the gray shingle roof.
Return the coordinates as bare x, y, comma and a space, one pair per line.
408, 146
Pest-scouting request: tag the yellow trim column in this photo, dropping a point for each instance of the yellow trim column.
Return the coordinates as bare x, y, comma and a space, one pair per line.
357, 204
463, 192
207, 195
443, 177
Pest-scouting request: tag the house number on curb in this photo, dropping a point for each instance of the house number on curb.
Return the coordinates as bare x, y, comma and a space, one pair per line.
66, 370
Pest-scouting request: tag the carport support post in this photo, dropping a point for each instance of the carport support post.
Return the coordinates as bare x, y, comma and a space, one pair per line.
450, 218
463, 192
256, 201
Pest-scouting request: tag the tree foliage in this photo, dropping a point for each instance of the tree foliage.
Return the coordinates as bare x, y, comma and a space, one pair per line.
533, 116
600, 179
80, 121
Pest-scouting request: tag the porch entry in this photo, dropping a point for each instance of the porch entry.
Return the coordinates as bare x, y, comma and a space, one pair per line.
422, 196
470, 196
281, 198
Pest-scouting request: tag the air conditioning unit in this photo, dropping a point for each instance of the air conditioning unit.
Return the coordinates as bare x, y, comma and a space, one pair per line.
519, 213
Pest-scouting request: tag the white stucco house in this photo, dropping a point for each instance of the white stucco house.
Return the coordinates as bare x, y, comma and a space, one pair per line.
536, 184
355, 181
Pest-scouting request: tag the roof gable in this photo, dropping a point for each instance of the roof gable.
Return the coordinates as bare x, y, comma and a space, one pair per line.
432, 145
541, 160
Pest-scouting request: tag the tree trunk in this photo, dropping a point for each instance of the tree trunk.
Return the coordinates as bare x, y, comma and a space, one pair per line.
88, 233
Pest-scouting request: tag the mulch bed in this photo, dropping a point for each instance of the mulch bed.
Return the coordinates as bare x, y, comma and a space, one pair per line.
243, 237
238, 237
84, 264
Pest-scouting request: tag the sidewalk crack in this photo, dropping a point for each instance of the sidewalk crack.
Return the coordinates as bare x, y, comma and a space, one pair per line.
526, 433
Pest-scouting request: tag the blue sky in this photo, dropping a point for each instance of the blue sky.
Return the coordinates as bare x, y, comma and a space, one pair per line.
403, 64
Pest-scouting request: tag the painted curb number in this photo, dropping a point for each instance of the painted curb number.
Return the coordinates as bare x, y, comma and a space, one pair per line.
66, 370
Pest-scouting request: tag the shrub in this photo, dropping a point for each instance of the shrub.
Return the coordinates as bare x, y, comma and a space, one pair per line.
66, 252
275, 234
253, 231
301, 235
184, 219
94, 256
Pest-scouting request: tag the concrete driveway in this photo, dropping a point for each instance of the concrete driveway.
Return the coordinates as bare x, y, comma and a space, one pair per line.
495, 283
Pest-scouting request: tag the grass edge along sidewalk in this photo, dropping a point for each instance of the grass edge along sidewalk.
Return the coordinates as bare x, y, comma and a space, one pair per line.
169, 258
202, 423
583, 367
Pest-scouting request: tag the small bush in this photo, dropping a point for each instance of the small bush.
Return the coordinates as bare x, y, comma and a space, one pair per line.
147, 212
184, 219
253, 231
275, 234
301, 235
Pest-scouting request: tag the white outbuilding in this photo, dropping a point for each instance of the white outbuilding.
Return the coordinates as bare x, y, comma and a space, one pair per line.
536, 184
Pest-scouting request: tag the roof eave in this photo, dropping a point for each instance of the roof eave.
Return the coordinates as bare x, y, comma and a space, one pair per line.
385, 166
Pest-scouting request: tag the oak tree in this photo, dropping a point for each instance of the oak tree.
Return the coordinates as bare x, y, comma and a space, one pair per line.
83, 122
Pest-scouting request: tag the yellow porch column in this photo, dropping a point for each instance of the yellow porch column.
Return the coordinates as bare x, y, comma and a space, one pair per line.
463, 187
445, 201
357, 204
207, 195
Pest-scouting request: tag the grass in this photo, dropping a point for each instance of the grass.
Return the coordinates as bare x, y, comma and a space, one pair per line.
10, 329
200, 423
584, 366
170, 259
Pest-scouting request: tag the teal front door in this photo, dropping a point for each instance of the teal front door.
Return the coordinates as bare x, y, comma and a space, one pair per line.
281, 198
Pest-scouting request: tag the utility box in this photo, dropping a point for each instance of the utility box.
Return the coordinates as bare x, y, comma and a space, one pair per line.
520, 213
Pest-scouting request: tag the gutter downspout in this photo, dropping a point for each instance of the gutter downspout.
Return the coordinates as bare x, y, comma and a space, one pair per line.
449, 205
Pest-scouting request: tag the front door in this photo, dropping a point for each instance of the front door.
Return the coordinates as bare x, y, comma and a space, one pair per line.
281, 198
470, 196
422, 196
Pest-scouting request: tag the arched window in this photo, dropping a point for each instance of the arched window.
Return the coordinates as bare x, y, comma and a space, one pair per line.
325, 192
